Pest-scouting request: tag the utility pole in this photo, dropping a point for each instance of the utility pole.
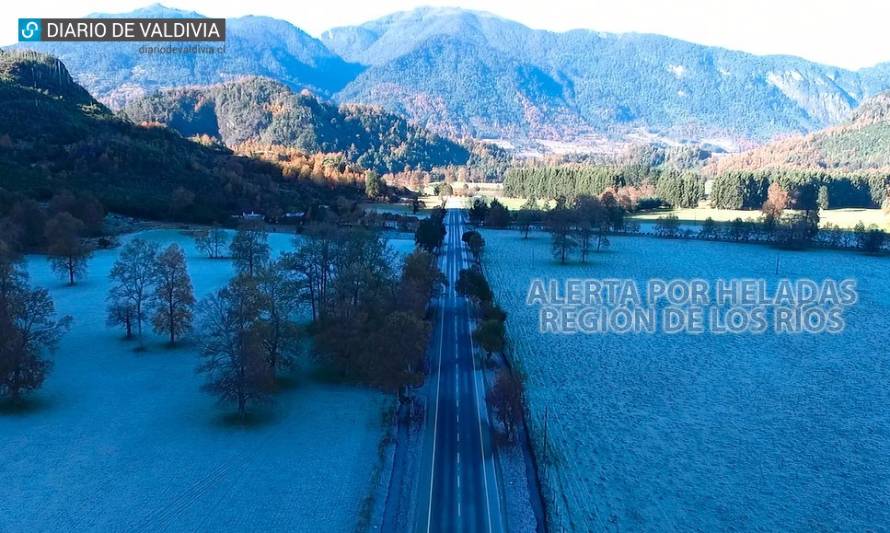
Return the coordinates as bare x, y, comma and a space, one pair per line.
546, 412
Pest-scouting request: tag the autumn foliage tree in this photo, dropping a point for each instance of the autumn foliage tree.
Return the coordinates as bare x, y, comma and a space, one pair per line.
173, 299
28, 329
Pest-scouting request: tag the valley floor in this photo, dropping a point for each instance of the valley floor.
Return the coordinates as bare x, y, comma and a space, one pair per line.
125, 441
704, 432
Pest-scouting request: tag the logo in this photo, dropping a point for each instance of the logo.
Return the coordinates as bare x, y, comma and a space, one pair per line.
29, 30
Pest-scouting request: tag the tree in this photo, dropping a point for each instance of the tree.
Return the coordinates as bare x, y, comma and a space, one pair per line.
475, 243
233, 358
430, 234
314, 263
211, 242
708, 229
279, 302
68, 254
490, 335
478, 212
132, 275
421, 278
472, 284
561, 223
397, 351
525, 218
667, 226
84, 207
776, 201
120, 312
173, 299
250, 248
373, 185
28, 329
822, 199
505, 399
498, 215
870, 239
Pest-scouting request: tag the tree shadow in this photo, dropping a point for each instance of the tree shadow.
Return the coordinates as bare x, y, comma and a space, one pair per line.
25, 406
253, 419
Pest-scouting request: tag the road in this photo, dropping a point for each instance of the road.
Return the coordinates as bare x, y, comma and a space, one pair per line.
459, 486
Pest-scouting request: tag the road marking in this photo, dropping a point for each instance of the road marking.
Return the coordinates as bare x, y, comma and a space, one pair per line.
478, 416
429, 515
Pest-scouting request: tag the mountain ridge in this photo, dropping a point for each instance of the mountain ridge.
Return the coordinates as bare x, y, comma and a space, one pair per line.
433, 66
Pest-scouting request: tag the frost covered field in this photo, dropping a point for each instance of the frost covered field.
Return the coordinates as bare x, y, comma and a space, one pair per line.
124, 441
682, 432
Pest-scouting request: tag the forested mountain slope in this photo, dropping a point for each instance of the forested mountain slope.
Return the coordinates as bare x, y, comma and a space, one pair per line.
54, 136
265, 112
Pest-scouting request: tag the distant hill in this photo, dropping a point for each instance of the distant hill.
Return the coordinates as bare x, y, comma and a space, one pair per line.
55, 136
862, 143
255, 46
436, 64
265, 112
461, 72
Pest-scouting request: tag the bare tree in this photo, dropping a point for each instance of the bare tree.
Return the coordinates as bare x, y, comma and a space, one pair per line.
314, 263
28, 328
561, 224
68, 254
232, 345
133, 275
121, 313
280, 300
506, 400
212, 242
173, 298
250, 248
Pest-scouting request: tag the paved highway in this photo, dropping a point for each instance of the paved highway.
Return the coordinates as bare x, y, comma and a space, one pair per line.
459, 487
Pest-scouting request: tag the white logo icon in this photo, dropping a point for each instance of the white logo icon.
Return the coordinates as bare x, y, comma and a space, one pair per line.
30, 28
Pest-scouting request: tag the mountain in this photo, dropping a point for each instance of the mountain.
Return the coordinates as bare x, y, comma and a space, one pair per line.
255, 46
54, 136
860, 144
432, 64
265, 112
461, 72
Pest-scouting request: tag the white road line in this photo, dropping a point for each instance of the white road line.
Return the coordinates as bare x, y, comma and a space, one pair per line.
479, 419
429, 515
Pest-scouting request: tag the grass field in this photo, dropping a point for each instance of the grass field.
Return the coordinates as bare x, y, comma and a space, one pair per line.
124, 441
706, 432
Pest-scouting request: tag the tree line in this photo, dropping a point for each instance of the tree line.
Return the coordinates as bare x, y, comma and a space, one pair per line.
666, 185
506, 397
806, 189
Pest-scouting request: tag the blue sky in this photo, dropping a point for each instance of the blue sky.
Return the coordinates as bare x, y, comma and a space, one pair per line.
851, 33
